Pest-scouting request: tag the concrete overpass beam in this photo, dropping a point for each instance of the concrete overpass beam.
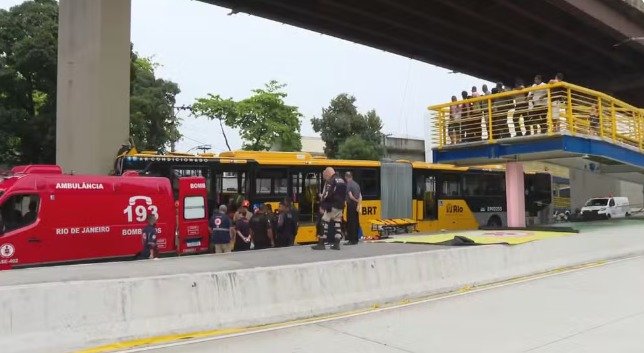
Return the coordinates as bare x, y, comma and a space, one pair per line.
607, 15
93, 103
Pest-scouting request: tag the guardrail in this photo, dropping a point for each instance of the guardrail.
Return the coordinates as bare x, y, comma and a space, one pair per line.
549, 109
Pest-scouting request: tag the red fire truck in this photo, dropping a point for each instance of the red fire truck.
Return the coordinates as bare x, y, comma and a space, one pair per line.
51, 217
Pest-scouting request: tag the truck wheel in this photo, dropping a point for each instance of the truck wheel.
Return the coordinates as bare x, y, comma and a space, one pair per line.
494, 221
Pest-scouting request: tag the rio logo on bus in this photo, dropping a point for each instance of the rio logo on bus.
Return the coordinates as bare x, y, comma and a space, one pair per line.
454, 208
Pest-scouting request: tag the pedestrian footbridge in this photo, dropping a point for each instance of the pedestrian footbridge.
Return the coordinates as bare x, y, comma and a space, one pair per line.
560, 123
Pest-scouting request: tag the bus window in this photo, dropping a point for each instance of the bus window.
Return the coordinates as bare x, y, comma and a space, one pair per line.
272, 182
263, 186
472, 185
431, 203
368, 181
450, 185
493, 184
296, 186
483, 184
244, 182
281, 186
229, 183
419, 191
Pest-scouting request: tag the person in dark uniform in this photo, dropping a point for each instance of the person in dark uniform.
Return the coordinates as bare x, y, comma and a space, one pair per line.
319, 229
354, 197
333, 199
272, 217
149, 239
242, 234
286, 227
220, 226
261, 230
295, 214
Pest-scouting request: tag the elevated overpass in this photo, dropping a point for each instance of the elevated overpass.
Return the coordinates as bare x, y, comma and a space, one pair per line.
571, 126
594, 42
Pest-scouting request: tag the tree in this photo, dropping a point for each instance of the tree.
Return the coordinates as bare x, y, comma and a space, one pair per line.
263, 119
153, 123
355, 147
348, 134
28, 59
28, 35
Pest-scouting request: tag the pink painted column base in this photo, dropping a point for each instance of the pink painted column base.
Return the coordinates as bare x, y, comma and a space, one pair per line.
515, 194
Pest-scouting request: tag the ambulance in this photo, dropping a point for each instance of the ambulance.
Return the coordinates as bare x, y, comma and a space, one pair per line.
48, 217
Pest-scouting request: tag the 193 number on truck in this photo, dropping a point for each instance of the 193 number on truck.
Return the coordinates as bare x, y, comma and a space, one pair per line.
140, 212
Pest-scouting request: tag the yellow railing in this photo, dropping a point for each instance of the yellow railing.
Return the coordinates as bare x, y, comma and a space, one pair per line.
549, 109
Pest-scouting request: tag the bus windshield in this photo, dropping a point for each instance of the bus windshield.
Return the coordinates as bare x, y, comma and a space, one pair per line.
597, 202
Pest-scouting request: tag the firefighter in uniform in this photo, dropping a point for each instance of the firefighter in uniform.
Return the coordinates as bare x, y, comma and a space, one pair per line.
332, 200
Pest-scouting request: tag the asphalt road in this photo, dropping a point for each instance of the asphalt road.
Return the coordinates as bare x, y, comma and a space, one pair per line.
597, 309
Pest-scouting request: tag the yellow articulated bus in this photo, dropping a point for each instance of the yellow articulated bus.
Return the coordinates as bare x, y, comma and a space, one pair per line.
435, 196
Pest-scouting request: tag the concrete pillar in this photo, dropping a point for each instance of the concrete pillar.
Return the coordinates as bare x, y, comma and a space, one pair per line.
93, 103
515, 194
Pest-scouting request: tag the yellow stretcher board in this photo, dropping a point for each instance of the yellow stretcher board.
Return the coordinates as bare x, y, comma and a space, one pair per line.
480, 237
391, 226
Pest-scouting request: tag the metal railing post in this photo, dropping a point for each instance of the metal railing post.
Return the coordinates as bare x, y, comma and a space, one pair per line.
549, 111
441, 128
640, 132
490, 135
613, 119
569, 116
600, 117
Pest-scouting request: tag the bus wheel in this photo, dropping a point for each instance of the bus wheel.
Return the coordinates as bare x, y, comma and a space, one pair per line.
494, 221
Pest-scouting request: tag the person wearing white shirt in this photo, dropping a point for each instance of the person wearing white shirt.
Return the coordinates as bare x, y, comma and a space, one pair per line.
538, 107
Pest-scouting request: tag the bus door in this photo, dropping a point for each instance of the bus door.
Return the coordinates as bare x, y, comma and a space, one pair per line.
426, 202
309, 199
193, 234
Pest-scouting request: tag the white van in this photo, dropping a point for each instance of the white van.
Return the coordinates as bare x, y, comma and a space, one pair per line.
606, 207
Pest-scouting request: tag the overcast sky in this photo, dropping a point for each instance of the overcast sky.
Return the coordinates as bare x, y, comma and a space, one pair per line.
206, 51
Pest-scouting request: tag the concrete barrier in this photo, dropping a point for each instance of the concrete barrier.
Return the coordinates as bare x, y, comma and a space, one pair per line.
81, 313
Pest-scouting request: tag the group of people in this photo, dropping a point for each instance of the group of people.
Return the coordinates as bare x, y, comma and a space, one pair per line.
467, 121
245, 230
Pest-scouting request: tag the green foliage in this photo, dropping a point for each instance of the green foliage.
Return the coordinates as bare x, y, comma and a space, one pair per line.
152, 120
343, 129
263, 119
355, 147
28, 73
28, 34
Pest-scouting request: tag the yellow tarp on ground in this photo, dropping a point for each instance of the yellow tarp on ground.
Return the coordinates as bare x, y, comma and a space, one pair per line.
481, 237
